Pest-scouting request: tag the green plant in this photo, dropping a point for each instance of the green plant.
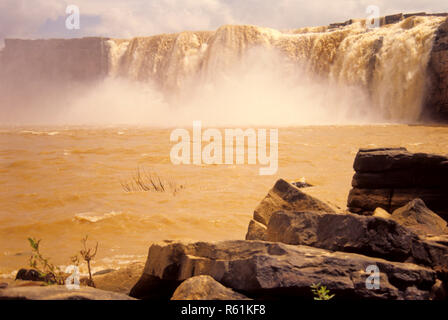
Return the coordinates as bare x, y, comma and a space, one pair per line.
321, 292
47, 271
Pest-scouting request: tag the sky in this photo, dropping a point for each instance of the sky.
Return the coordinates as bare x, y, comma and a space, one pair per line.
32, 19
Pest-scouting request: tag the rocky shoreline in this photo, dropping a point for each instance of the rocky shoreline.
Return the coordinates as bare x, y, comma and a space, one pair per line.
395, 227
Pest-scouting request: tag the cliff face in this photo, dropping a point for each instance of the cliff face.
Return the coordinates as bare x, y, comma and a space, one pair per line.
402, 67
437, 97
55, 59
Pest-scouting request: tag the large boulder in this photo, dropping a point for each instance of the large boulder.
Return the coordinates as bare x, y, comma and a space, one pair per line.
371, 236
205, 288
283, 196
59, 293
417, 217
391, 177
260, 269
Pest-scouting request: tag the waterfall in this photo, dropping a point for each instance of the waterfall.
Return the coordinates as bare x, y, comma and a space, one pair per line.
387, 63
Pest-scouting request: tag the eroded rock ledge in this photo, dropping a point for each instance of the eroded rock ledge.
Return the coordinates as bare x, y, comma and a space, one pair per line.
391, 177
260, 269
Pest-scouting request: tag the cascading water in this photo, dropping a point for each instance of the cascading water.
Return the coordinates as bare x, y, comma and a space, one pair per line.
388, 64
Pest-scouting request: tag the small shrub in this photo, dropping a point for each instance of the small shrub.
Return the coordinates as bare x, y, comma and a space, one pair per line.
150, 182
47, 271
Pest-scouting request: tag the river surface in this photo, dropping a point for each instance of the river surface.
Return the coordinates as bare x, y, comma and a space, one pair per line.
59, 184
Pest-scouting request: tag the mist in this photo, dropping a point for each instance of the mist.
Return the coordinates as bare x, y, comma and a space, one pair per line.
262, 89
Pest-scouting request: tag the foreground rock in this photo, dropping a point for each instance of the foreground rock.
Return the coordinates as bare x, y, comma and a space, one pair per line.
205, 288
391, 177
121, 280
269, 270
59, 293
283, 196
417, 217
370, 236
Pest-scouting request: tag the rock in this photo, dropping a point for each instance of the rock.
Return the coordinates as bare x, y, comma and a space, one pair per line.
105, 271
391, 177
386, 159
256, 231
365, 201
381, 213
436, 104
285, 196
121, 280
260, 269
417, 217
438, 291
54, 292
205, 288
370, 236
34, 275
301, 184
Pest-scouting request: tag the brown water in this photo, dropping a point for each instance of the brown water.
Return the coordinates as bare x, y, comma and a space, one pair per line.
59, 184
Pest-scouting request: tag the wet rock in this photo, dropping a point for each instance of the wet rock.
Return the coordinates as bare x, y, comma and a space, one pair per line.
370, 236
260, 269
417, 217
59, 293
205, 288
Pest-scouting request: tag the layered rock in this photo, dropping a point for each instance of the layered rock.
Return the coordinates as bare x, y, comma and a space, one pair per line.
261, 269
370, 236
205, 288
282, 196
391, 177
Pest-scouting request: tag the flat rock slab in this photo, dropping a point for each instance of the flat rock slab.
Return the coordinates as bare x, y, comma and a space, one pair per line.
389, 159
59, 293
370, 236
205, 288
260, 269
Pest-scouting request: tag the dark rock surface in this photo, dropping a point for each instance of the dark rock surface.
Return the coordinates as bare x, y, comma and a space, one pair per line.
436, 104
389, 178
283, 196
418, 218
261, 269
370, 236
